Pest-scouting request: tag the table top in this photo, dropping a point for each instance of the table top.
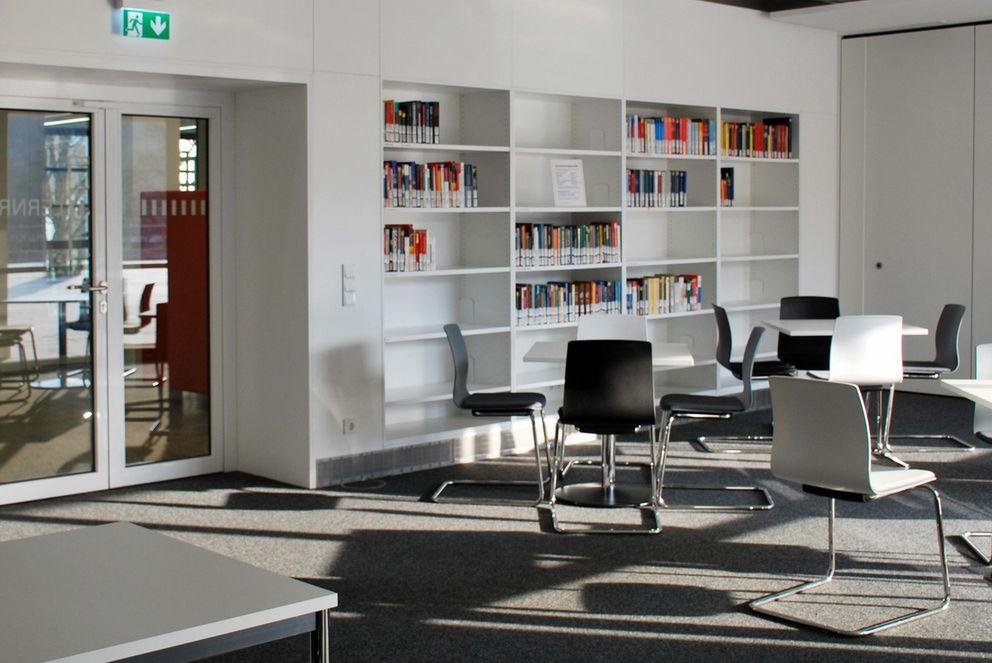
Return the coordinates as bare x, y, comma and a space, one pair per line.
69, 297
113, 591
979, 391
675, 355
825, 328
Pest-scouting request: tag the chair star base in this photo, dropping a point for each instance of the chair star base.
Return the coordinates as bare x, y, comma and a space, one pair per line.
763, 604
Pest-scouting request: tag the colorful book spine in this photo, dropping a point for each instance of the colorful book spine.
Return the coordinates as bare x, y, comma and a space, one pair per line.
565, 301
668, 135
769, 138
407, 249
660, 294
412, 122
546, 245
656, 188
726, 187
443, 184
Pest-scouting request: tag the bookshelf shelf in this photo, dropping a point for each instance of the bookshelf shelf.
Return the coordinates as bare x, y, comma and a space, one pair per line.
745, 255
426, 147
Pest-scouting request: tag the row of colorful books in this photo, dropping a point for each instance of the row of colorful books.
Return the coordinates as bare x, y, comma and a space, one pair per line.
770, 138
726, 187
670, 135
564, 301
407, 249
656, 188
664, 293
412, 121
545, 244
441, 184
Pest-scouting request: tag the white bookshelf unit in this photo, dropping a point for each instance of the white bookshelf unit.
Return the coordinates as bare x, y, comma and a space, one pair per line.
747, 254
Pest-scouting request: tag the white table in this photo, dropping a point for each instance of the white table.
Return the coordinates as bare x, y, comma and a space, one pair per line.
117, 591
671, 355
979, 391
807, 327
62, 300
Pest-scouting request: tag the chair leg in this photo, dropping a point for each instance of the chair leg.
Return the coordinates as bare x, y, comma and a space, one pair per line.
984, 555
882, 449
766, 503
436, 496
761, 605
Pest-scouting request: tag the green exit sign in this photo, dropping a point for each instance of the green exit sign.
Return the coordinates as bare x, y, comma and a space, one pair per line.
144, 24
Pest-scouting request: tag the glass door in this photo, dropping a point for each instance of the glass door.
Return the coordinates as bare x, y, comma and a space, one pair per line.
53, 294
160, 340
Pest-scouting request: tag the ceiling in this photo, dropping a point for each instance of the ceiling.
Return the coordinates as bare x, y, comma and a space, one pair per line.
849, 17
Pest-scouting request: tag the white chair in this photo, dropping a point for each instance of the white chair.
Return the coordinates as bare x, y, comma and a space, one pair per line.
822, 440
607, 327
866, 350
983, 429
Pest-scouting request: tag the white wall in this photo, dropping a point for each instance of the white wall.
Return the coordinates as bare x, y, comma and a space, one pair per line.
271, 342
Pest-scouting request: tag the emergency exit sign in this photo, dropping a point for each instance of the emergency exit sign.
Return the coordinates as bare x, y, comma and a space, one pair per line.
144, 24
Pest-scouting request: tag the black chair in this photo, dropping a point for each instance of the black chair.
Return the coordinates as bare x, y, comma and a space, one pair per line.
504, 405
692, 406
609, 391
762, 369
945, 361
807, 353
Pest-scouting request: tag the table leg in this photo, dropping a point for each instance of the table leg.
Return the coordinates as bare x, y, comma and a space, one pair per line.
609, 460
63, 344
320, 645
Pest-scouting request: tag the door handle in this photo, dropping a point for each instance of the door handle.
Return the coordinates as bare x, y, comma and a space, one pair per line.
102, 286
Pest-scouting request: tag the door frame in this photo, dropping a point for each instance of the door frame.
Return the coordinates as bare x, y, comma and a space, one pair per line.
120, 474
34, 489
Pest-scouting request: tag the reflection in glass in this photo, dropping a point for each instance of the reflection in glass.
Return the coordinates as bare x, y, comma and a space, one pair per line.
46, 338
166, 310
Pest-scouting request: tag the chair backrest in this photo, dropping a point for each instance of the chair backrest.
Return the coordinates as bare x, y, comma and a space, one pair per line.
946, 336
609, 382
806, 353
867, 349
747, 366
821, 435
604, 326
724, 337
459, 356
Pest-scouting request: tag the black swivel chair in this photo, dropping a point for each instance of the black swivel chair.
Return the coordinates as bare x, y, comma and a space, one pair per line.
609, 391
945, 361
692, 406
762, 369
807, 353
504, 405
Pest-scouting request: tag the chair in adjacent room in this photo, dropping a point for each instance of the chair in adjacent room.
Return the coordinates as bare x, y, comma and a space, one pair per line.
609, 391
823, 442
145, 315
807, 353
699, 407
762, 369
13, 338
867, 351
945, 361
502, 405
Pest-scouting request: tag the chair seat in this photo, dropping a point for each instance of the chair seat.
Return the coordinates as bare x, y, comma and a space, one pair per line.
887, 480
763, 369
504, 402
691, 403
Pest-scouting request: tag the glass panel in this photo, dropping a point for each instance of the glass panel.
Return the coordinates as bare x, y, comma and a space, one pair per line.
166, 309
46, 336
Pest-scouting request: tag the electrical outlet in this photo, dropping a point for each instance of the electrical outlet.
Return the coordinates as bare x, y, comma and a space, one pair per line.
349, 426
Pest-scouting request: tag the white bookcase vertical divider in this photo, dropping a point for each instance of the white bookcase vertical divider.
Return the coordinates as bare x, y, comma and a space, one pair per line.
747, 254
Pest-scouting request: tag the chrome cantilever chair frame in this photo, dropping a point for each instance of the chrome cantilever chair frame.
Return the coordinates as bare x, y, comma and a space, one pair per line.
946, 342
12, 337
532, 409
823, 441
688, 412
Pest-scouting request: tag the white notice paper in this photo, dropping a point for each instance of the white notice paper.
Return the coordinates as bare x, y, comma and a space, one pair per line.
568, 182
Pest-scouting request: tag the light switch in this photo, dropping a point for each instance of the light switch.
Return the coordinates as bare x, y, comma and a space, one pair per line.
349, 298
348, 294
348, 270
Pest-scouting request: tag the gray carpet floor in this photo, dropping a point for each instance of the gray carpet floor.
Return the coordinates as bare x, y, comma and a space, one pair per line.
427, 582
